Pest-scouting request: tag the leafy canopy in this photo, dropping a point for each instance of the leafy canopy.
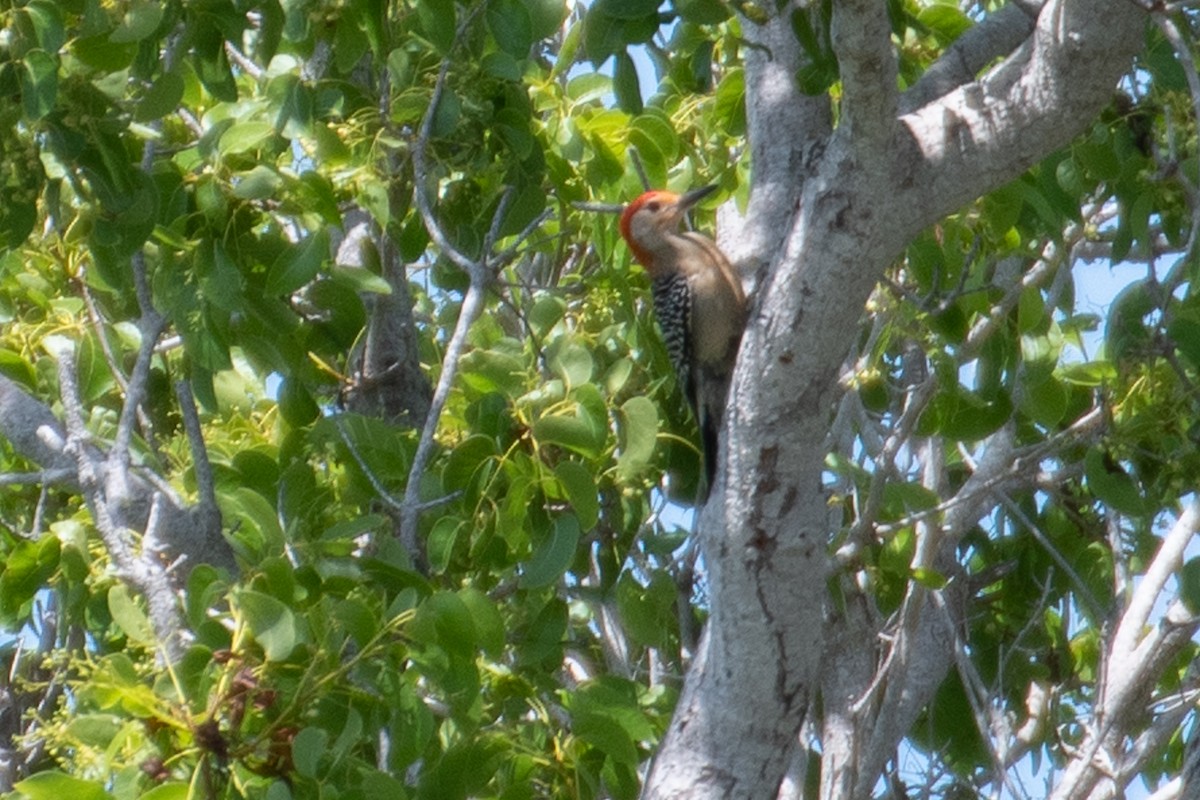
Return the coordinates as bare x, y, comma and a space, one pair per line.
206, 158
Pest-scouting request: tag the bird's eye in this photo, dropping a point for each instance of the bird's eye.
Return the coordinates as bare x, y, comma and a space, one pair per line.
653, 206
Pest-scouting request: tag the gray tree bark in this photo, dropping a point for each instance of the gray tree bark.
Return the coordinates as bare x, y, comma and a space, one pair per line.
847, 199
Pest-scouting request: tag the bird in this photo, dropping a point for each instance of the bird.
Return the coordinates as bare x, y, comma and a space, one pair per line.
698, 302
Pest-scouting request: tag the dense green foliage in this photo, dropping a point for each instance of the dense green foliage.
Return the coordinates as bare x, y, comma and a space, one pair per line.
205, 158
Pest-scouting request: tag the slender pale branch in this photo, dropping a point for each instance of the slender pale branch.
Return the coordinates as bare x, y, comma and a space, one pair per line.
46, 476
1166, 563
472, 306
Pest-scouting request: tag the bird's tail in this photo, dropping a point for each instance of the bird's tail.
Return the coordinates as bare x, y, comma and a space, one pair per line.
710, 413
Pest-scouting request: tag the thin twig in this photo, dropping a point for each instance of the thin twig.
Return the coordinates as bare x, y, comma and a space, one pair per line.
46, 476
977, 697
1083, 592
245, 64
150, 325
472, 306
421, 171
636, 159
205, 484
393, 502
480, 273
598, 208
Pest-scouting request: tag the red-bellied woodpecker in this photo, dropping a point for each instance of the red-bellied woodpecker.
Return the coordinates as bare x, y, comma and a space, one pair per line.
698, 301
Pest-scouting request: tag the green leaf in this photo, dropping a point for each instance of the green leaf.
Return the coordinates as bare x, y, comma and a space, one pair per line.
256, 525
1189, 585
581, 490
638, 434
806, 34
945, 20
729, 107
588, 86
1127, 335
513, 127
161, 99
447, 115
572, 362
1031, 309
628, 9
102, 55
350, 43
606, 34
607, 735
647, 612
13, 366
1040, 352
511, 26
296, 404
1111, 484
95, 730
52, 785
93, 373
929, 578
548, 310
625, 84
126, 613
271, 622
299, 264
174, 790
542, 642
489, 625
475, 453
141, 19
577, 432
439, 546
452, 623
703, 12
501, 65
1089, 373
39, 84
47, 21
547, 17
606, 714
308, 747
1185, 332
438, 21
243, 137
257, 184
1045, 402
965, 416
653, 127
553, 555
27, 567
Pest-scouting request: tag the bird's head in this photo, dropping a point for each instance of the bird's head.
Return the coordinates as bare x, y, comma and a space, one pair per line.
650, 220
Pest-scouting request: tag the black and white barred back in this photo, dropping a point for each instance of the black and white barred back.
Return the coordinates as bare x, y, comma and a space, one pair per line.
673, 310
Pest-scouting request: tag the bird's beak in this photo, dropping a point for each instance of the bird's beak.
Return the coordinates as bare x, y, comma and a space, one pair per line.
695, 196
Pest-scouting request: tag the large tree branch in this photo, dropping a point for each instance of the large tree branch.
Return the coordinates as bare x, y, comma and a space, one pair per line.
771, 63
986, 133
862, 39
996, 35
